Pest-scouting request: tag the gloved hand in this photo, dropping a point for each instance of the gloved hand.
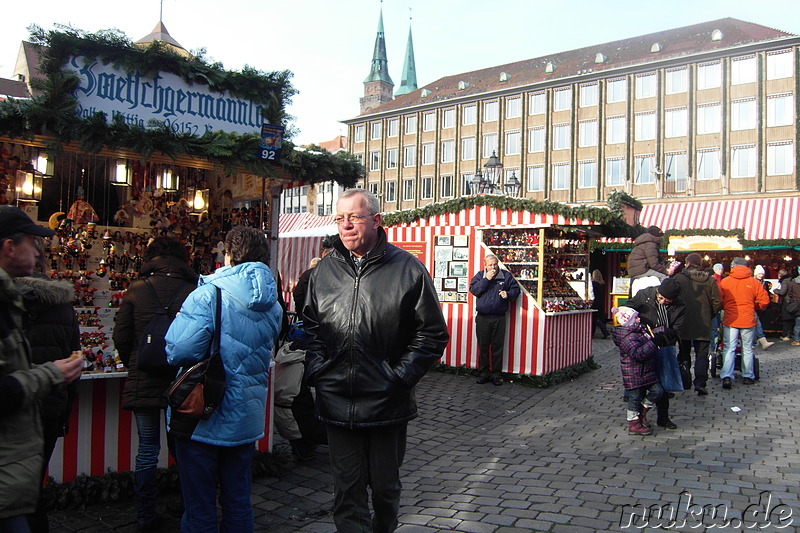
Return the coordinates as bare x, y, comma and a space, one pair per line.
672, 336
661, 339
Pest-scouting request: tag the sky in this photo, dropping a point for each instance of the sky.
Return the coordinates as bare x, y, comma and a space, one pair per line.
328, 44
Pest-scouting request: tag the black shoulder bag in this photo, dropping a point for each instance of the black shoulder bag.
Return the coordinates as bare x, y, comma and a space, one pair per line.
151, 354
198, 390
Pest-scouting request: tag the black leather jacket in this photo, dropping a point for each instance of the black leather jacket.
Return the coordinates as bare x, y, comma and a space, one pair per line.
372, 336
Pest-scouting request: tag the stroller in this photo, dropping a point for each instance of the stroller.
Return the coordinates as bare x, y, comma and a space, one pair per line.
716, 354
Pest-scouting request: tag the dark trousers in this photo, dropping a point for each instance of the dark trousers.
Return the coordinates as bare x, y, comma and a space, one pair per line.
366, 457
491, 333
701, 359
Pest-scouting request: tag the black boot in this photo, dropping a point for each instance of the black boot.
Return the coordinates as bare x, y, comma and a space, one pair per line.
662, 419
146, 493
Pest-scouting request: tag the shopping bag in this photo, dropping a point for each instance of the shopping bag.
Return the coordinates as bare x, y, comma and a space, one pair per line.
668, 369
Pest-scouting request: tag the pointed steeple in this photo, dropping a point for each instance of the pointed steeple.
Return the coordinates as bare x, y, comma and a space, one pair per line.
378, 86
408, 81
161, 35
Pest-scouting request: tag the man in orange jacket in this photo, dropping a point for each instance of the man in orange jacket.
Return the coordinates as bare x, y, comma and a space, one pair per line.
742, 297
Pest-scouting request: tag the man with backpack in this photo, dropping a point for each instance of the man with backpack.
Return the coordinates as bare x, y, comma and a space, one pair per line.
144, 316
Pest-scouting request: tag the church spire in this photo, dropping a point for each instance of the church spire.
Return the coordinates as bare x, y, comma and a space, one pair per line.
378, 86
408, 81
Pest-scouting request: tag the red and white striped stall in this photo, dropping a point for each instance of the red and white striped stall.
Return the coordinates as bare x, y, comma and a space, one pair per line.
537, 342
300, 237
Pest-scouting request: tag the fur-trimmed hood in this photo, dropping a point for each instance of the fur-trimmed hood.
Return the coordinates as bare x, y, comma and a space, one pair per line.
45, 292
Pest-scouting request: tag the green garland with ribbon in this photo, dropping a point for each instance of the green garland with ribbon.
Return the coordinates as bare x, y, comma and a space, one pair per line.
52, 113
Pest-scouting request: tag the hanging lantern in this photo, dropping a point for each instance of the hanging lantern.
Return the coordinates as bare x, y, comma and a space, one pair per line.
198, 200
167, 180
29, 186
43, 165
121, 174
107, 235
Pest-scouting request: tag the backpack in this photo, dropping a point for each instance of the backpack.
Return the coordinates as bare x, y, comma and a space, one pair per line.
151, 354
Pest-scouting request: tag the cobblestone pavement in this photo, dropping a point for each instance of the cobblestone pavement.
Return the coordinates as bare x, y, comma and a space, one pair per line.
485, 459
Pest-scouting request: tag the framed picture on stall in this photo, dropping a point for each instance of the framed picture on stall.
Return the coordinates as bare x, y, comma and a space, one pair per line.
458, 269
621, 285
460, 254
461, 297
450, 284
443, 240
461, 240
462, 285
440, 269
444, 253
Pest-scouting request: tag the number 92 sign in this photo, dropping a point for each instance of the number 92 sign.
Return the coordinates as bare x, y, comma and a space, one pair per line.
271, 141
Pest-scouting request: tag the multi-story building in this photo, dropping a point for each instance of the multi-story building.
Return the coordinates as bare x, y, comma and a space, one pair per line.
702, 112
319, 198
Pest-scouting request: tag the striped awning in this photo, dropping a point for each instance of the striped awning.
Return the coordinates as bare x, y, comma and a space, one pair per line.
296, 221
761, 218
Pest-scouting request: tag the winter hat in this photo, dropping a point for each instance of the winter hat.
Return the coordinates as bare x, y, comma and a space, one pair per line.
738, 261
694, 259
655, 231
626, 316
758, 270
669, 289
718, 266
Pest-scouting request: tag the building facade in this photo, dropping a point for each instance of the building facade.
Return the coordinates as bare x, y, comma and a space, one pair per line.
703, 112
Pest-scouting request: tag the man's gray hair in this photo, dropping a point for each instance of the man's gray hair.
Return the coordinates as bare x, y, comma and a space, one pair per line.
373, 204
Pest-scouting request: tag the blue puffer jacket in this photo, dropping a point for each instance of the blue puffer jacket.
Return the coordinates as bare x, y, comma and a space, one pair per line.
250, 323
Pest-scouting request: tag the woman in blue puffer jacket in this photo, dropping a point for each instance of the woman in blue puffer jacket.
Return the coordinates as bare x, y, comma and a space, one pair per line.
220, 449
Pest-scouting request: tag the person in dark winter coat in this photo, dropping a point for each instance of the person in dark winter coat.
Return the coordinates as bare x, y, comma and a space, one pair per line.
662, 309
700, 293
644, 259
166, 275
789, 290
52, 329
599, 303
494, 290
375, 328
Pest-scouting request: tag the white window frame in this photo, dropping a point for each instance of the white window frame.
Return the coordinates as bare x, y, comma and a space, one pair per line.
391, 158
708, 165
428, 154
780, 64
513, 144
644, 128
743, 114
780, 110
616, 90
562, 99
535, 178
616, 164
375, 160
409, 156
536, 139
644, 167
590, 95
514, 107
743, 161
491, 111
677, 173
676, 122
562, 136
392, 127
411, 125
587, 133
469, 115
468, 148
375, 130
709, 75
676, 81
448, 118
408, 189
784, 165
428, 122
358, 133
466, 184
537, 104
446, 190
562, 172
616, 129
587, 169
646, 86
744, 70
426, 188
709, 118
448, 147
390, 191
489, 144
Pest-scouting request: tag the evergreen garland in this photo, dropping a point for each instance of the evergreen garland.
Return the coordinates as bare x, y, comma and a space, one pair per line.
53, 112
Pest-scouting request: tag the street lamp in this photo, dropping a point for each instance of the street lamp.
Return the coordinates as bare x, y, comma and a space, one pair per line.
512, 185
493, 167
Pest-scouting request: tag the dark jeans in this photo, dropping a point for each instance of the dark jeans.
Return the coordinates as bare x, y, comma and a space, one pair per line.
201, 466
600, 323
652, 392
366, 457
700, 357
14, 524
491, 333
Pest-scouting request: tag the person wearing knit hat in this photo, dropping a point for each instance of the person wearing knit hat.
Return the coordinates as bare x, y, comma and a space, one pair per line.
742, 298
703, 301
637, 363
662, 309
761, 338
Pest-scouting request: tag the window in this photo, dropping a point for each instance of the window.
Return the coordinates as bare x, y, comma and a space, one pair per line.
677, 81
587, 174
469, 115
743, 114
391, 191
489, 144
358, 133
427, 154
780, 159
562, 99
375, 130
645, 86
677, 171
411, 124
513, 140
676, 122
561, 175
709, 76
536, 140
561, 136
429, 122
448, 118
743, 161
373, 188
374, 160
409, 156
645, 126
466, 184
391, 158
617, 90
780, 65
447, 187
644, 170
587, 133
536, 104
615, 172
392, 127
448, 151
467, 148
427, 188
514, 107
708, 165
490, 111
589, 95
615, 130
780, 110
743, 70
709, 118
408, 189
535, 178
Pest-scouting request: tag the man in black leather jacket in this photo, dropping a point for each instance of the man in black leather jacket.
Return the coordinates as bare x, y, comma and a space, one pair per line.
375, 328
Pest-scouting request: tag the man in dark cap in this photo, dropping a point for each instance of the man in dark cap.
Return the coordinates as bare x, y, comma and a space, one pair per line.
22, 385
701, 295
742, 296
662, 309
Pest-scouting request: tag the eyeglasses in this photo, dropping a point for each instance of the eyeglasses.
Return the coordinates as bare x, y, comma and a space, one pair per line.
662, 300
355, 219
